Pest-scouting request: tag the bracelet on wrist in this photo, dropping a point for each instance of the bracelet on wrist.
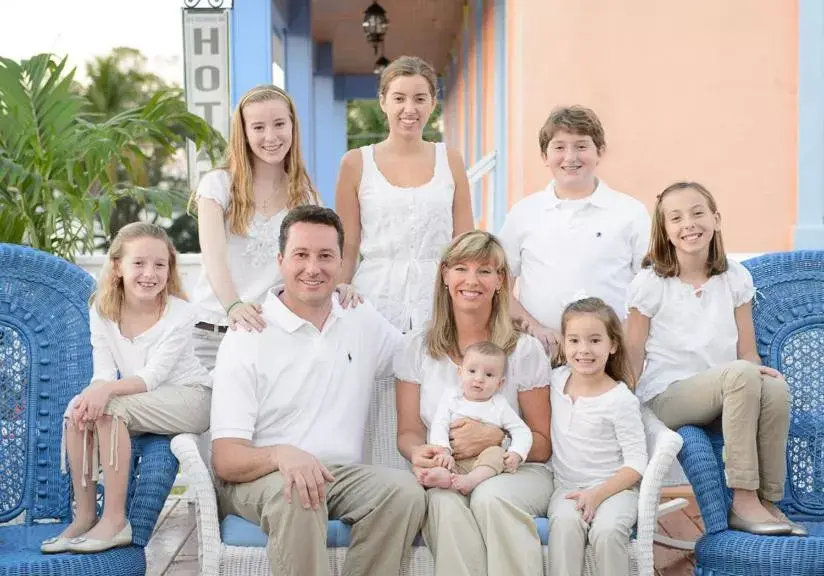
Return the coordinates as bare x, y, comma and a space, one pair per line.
232, 305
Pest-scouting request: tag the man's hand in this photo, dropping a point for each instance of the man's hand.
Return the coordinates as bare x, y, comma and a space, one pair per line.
305, 472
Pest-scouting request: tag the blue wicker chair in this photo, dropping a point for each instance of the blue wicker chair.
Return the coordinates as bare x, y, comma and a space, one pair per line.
789, 324
45, 359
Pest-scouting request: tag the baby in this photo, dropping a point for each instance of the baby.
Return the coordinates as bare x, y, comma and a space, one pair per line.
481, 375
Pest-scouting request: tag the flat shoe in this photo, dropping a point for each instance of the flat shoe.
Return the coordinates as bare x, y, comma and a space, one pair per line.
796, 528
762, 528
85, 545
55, 545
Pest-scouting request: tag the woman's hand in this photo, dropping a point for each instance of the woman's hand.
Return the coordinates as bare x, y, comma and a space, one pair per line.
423, 456
348, 297
469, 437
247, 316
93, 401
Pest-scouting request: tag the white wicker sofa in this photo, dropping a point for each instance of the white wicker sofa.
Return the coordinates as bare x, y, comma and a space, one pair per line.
237, 547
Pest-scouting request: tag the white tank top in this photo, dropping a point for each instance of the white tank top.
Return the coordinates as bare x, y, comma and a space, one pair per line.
403, 232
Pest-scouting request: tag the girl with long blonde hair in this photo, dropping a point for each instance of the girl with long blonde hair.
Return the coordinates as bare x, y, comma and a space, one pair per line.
492, 530
240, 208
146, 379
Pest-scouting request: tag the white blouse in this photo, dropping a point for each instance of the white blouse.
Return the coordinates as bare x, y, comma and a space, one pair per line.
252, 259
163, 355
691, 329
594, 437
527, 368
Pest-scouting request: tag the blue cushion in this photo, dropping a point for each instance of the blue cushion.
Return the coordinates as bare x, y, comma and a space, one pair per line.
237, 531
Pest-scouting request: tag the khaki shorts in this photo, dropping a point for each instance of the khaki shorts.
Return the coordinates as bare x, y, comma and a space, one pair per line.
492, 457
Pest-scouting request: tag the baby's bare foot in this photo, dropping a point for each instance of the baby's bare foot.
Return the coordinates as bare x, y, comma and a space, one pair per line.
464, 483
435, 478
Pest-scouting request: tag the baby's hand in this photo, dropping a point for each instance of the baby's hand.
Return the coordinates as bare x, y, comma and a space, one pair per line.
511, 461
445, 460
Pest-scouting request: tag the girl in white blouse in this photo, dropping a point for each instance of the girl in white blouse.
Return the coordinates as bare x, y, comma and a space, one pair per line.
240, 208
599, 449
491, 531
146, 379
690, 318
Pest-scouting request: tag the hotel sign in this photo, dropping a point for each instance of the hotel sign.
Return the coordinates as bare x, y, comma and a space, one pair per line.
206, 65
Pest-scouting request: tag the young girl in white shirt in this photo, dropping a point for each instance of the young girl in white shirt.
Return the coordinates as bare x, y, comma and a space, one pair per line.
599, 449
240, 208
146, 379
690, 317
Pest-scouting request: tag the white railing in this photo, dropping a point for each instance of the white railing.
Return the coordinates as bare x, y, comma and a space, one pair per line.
188, 265
483, 201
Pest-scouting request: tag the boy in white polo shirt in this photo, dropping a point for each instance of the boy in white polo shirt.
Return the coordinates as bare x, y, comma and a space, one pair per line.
578, 237
289, 412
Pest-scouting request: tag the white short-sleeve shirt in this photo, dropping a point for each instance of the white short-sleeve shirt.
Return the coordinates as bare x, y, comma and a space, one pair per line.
294, 384
594, 437
527, 368
690, 330
163, 355
564, 250
252, 259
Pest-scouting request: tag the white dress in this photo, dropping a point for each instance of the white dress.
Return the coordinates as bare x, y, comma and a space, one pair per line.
403, 232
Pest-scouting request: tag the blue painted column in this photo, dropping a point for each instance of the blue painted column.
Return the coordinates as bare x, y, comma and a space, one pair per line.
501, 109
809, 229
329, 140
250, 50
300, 74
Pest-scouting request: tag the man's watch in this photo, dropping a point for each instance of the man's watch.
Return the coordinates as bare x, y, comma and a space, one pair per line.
507, 441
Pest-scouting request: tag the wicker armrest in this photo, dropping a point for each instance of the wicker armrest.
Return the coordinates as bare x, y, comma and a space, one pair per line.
185, 447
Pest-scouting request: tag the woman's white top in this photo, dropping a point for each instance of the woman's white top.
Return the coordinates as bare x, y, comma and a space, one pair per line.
594, 437
527, 368
252, 259
163, 355
403, 233
690, 329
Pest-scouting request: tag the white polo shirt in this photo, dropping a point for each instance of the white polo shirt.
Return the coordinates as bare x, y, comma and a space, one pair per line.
294, 384
563, 250
690, 329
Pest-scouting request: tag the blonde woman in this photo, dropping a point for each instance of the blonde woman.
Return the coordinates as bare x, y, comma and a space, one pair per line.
240, 208
492, 530
401, 201
146, 379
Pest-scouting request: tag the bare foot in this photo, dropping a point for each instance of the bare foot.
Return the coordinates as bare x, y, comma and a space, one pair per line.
435, 478
106, 529
465, 483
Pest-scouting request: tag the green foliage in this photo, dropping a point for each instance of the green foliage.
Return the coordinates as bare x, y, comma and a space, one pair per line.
366, 124
62, 166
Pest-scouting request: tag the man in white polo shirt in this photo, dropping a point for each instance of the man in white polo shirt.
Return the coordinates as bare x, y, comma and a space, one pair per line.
289, 410
577, 238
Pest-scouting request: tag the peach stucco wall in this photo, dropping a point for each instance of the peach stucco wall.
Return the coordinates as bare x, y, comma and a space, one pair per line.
702, 90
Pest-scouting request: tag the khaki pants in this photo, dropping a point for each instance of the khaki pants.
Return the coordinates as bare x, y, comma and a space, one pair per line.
492, 531
492, 457
608, 533
754, 411
385, 507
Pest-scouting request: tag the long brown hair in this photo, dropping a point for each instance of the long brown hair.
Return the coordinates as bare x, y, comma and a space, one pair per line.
300, 189
662, 256
442, 336
618, 365
109, 296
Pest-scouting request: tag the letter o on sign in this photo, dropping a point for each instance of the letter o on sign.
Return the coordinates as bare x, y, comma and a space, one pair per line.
204, 73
